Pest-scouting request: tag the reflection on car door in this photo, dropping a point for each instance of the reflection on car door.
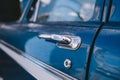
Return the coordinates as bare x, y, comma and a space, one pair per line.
52, 43
105, 62
62, 57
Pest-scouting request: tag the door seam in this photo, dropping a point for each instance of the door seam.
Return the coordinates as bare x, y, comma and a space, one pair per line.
91, 51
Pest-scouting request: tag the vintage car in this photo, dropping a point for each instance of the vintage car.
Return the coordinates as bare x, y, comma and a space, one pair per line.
63, 40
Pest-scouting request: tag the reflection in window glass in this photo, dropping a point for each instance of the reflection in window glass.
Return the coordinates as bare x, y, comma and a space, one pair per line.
115, 11
66, 10
23, 4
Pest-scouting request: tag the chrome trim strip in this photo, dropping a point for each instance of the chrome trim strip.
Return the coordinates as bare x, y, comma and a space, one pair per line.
36, 68
63, 41
36, 11
25, 11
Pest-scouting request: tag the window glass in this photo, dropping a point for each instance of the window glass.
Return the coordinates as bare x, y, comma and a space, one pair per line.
9, 10
115, 11
23, 4
66, 10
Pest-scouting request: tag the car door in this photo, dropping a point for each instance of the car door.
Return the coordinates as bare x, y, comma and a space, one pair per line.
105, 62
57, 55
60, 44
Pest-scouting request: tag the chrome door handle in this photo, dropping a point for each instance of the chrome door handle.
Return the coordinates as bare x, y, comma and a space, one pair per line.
63, 41
56, 38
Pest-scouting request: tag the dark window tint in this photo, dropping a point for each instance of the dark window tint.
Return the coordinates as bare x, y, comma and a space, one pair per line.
9, 10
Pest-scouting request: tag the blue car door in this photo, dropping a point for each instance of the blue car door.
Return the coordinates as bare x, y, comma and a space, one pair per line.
105, 61
61, 35
51, 45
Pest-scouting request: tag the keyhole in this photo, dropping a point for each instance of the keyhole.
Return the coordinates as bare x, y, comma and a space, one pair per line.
67, 63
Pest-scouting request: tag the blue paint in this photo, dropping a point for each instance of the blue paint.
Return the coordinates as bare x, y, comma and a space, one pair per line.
106, 58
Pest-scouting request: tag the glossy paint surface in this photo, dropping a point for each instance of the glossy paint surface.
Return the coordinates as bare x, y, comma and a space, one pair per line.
105, 63
25, 38
10, 70
105, 58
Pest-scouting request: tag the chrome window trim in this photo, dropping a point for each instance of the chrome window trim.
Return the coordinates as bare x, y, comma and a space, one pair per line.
32, 65
25, 11
36, 11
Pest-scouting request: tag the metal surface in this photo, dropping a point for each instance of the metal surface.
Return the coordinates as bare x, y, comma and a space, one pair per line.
34, 67
48, 52
63, 41
104, 61
68, 63
36, 11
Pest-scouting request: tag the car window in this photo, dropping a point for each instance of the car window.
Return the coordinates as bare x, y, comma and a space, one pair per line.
9, 10
115, 11
66, 10
23, 4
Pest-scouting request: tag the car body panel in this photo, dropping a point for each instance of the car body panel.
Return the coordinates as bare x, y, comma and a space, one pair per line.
105, 62
25, 38
9, 68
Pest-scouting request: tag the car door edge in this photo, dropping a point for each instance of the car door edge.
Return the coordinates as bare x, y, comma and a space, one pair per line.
36, 68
